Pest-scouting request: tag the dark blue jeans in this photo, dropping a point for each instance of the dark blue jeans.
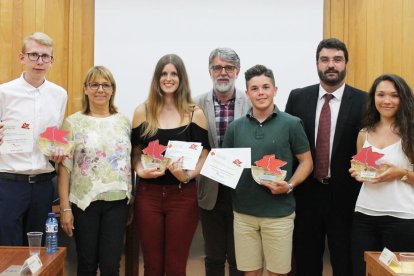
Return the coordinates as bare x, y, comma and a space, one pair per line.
218, 236
373, 233
99, 234
23, 208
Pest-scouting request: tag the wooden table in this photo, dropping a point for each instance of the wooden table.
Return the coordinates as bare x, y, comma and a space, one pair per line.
375, 267
53, 264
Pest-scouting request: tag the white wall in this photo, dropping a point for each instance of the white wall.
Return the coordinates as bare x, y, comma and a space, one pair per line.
131, 36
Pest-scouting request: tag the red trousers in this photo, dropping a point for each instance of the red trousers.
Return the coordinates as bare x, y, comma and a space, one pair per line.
167, 217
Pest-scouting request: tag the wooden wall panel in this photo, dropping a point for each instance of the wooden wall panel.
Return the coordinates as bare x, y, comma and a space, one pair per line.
374, 52
6, 44
407, 48
80, 54
379, 35
68, 22
327, 18
357, 42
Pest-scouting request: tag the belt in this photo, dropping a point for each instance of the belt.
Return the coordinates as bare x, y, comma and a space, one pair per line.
325, 180
29, 178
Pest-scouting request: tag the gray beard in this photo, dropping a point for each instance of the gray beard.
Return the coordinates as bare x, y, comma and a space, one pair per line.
224, 88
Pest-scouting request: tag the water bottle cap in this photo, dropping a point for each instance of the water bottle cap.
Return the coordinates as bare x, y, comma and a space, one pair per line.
51, 215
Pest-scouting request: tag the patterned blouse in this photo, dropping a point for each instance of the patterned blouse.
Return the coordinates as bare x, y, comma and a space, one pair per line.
100, 167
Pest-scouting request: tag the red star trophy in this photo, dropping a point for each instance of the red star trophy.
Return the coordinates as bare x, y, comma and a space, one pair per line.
366, 164
268, 169
53, 138
152, 157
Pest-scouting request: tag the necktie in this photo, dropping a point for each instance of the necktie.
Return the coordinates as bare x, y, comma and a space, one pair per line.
323, 140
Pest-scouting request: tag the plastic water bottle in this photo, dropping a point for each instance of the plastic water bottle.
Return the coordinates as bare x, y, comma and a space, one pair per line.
51, 233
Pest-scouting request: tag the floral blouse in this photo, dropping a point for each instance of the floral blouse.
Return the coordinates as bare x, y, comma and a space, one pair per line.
100, 167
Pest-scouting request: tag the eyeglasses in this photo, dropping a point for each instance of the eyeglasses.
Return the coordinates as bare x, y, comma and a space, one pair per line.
35, 57
105, 86
219, 68
334, 59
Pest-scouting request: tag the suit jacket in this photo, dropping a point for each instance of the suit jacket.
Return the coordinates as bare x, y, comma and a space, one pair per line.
207, 188
344, 189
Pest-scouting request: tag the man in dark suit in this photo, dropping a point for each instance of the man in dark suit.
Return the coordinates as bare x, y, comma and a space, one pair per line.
325, 201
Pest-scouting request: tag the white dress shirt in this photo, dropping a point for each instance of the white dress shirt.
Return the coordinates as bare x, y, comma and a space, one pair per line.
334, 105
39, 107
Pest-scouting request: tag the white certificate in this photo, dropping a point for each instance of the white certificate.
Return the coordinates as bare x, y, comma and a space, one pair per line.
226, 165
18, 138
190, 151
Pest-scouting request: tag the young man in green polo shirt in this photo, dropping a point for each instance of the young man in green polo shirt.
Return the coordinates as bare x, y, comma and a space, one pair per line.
264, 213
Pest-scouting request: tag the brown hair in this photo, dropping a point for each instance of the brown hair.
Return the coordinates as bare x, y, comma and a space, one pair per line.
182, 97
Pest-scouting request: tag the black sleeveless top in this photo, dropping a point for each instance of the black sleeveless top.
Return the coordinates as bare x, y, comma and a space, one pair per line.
190, 133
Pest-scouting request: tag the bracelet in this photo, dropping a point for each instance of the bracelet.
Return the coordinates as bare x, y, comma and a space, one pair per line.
405, 176
66, 210
187, 177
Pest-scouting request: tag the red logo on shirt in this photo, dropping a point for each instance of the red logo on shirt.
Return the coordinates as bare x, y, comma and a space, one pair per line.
26, 126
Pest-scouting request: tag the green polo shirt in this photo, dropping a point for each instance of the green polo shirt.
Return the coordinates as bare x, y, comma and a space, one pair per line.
280, 134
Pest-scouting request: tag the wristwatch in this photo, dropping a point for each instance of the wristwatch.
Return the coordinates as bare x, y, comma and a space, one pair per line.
290, 188
405, 176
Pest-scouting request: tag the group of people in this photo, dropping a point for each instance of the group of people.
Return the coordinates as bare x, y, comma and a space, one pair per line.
273, 226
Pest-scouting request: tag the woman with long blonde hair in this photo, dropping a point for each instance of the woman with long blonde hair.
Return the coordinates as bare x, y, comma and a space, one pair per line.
166, 207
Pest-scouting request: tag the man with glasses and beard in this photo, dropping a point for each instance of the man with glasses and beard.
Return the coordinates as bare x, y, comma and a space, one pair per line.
221, 105
325, 202
32, 103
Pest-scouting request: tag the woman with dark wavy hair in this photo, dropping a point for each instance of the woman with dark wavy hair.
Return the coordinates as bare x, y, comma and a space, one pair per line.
384, 212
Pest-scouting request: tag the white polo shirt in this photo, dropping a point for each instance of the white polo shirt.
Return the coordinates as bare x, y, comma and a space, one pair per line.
39, 107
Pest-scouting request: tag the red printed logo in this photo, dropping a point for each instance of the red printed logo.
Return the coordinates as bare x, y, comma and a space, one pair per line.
237, 162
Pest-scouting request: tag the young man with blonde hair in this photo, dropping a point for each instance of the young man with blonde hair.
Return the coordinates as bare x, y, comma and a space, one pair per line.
26, 187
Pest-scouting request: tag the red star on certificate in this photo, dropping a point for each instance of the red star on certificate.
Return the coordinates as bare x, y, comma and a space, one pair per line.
193, 147
237, 162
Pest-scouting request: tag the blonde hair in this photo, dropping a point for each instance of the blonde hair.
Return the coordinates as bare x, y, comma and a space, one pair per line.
182, 97
39, 37
93, 74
